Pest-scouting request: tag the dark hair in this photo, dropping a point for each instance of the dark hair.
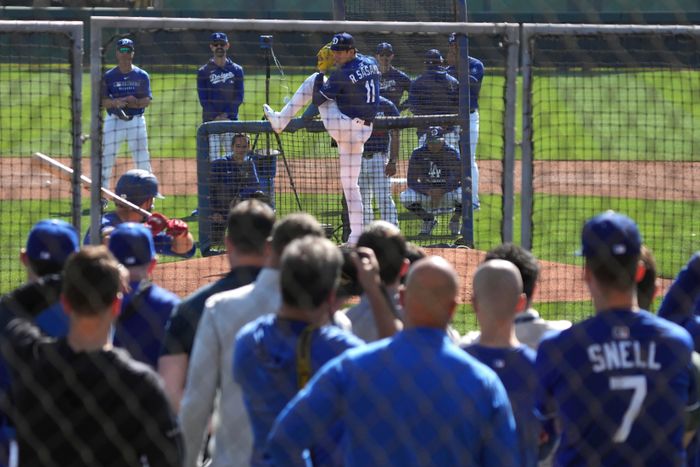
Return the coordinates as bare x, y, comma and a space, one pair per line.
294, 226
524, 260
647, 286
614, 272
309, 271
42, 267
91, 280
240, 135
389, 247
249, 225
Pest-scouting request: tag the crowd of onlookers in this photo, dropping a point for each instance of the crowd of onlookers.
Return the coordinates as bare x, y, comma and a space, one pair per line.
267, 365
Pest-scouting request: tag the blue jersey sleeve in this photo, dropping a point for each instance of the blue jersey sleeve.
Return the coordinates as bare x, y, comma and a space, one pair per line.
681, 297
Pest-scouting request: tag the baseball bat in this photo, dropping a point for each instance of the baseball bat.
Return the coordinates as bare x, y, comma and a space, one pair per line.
63, 171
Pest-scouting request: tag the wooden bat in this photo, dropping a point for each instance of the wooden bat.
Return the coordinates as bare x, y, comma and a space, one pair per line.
63, 171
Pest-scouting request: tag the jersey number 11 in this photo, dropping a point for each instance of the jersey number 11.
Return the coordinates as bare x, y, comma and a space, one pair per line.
371, 92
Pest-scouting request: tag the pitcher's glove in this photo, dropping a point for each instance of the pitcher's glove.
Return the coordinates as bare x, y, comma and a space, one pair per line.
157, 222
121, 115
177, 228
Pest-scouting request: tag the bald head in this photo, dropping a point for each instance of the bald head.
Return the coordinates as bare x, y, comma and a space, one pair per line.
497, 290
430, 297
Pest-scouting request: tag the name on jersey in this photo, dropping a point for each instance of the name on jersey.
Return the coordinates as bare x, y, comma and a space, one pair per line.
221, 77
125, 87
362, 72
623, 355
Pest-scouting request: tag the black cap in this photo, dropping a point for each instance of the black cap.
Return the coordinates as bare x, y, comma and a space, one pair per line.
384, 47
342, 41
433, 57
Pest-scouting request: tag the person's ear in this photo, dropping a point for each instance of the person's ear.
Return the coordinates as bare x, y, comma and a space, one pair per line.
23, 258
521, 305
152, 265
405, 265
116, 306
639, 274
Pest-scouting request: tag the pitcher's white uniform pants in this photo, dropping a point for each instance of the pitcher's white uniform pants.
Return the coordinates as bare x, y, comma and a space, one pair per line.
115, 132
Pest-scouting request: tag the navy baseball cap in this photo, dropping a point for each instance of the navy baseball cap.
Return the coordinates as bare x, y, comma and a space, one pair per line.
218, 37
137, 185
125, 43
435, 133
433, 57
384, 47
132, 244
342, 41
610, 234
52, 240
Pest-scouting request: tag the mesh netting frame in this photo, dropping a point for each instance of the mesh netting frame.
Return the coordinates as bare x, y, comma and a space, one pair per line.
508, 31
74, 31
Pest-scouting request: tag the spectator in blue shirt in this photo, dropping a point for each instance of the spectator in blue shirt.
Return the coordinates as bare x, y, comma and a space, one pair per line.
146, 307
497, 297
220, 89
276, 354
414, 399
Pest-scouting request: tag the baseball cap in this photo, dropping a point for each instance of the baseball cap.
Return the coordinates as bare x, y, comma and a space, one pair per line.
137, 185
218, 37
132, 244
123, 43
384, 47
52, 240
342, 41
610, 234
433, 57
435, 133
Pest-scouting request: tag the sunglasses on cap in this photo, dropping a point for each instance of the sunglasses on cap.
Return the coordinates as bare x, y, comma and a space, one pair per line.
125, 50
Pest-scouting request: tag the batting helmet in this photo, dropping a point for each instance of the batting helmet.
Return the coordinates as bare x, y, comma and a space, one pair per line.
324, 59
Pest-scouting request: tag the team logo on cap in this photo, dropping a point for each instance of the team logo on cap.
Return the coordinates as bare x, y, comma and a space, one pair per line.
435, 132
335, 41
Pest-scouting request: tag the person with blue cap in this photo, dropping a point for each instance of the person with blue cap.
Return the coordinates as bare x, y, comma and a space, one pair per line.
49, 244
622, 378
126, 92
392, 82
146, 307
140, 187
220, 89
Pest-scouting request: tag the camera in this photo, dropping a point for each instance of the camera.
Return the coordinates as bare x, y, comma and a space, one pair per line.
265, 42
349, 285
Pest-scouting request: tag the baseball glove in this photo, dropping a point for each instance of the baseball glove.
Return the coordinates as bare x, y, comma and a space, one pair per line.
157, 222
121, 115
177, 228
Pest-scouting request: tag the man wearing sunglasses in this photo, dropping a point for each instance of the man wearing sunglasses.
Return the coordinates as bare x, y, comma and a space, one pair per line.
126, 92
393, 82
220, 89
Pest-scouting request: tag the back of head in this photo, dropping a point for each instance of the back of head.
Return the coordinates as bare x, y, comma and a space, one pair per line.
497, 288
646, 288
433, 58
309, 272
249, 225
91, 280
524, 260
389, 246
132, 244
611, 244
137, 186
431, 290
49, 244
293, 226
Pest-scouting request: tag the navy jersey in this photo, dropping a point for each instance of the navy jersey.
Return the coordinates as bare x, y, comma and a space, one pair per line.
220, 89
393, 84
116, 84
434, 93
140, 328
428, 170
231, 180
476, 76
620, 383
379, 141
162, 241
355, 88
516, 369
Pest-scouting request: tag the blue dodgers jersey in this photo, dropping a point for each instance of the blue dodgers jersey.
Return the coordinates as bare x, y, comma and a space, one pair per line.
116, 84
379, 141
220, 89
434, 93
476, 76
428, 170
516, 369
355, 88
620, 383
393, 83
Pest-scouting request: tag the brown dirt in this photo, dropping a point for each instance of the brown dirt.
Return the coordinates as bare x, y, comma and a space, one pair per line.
19, 179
